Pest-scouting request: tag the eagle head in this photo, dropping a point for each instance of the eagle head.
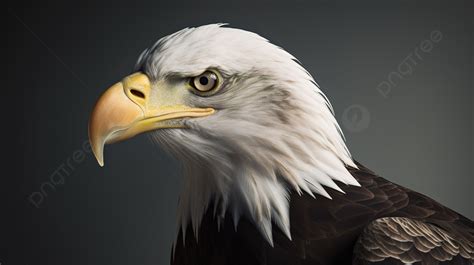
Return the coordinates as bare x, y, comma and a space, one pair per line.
247, 121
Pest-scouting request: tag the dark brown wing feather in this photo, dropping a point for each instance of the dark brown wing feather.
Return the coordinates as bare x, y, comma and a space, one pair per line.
323, 231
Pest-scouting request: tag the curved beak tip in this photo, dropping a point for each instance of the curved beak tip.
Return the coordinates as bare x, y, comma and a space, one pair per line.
100, 160
98, 151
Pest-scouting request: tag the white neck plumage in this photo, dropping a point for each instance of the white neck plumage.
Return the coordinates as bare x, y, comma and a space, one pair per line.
256, 184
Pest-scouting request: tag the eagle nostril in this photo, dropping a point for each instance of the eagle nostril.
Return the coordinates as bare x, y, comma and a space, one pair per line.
137, 93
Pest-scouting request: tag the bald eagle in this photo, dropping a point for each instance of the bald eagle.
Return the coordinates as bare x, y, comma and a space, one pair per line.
268, 178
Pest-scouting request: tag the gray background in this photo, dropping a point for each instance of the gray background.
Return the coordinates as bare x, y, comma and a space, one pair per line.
61, 56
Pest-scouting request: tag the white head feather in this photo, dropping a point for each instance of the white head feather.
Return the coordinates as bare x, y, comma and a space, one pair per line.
274, 130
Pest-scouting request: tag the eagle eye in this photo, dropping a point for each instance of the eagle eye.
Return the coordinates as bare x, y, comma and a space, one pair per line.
205, 82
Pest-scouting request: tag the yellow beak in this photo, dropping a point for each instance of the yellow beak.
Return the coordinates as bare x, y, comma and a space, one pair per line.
125, 110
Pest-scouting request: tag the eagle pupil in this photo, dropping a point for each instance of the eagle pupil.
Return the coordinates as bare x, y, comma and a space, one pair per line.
203, 80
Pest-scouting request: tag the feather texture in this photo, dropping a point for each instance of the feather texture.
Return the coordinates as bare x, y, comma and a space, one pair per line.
274, 128
377, 223
268, 177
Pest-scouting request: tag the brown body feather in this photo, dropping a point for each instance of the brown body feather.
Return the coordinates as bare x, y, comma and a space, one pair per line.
377, 223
